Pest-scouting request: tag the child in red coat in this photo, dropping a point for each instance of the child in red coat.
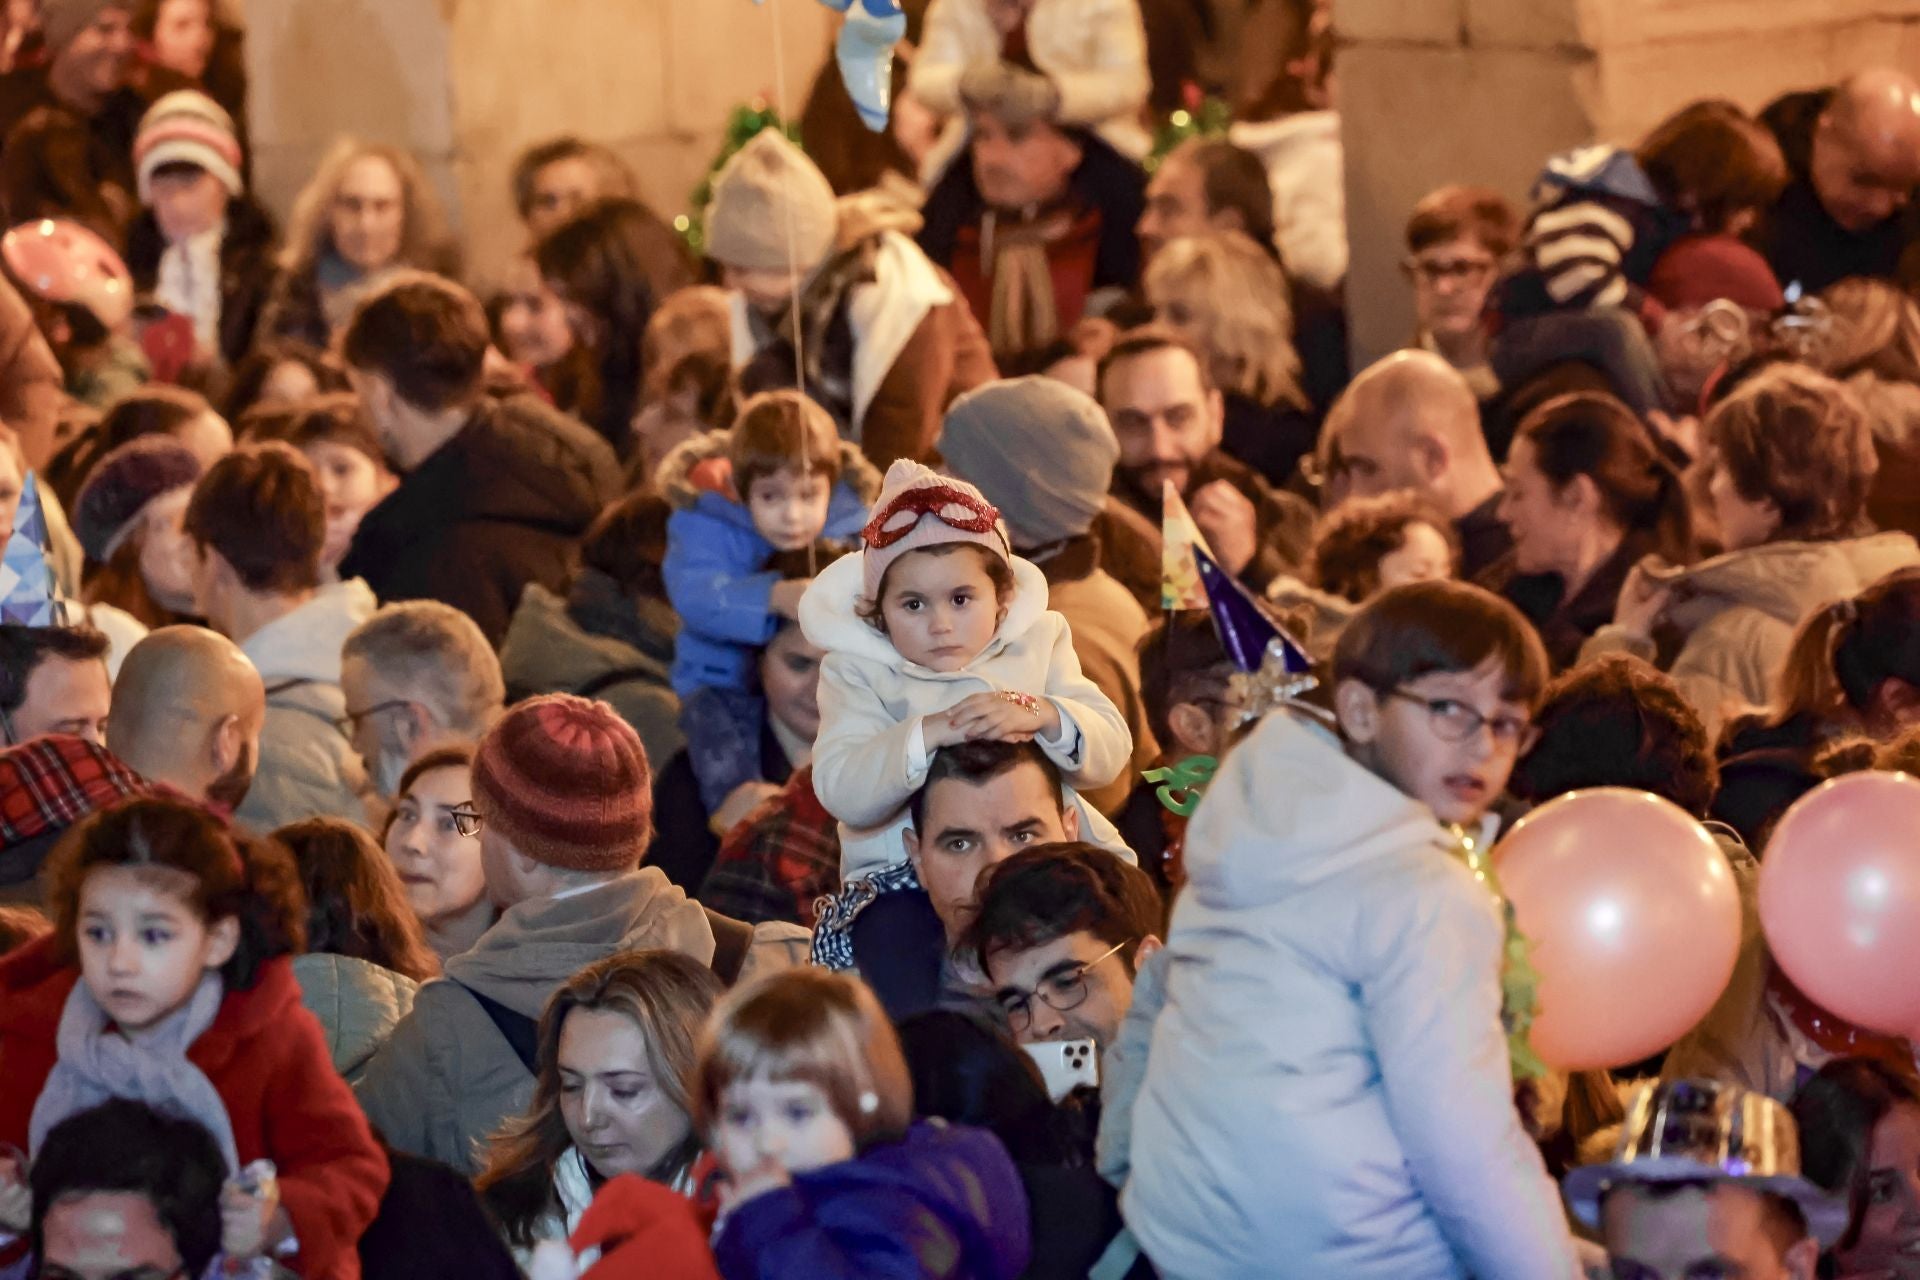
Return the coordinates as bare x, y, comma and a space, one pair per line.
167, 980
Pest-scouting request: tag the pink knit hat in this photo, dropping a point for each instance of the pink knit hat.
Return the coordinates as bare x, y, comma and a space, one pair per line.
919, 508
566, 782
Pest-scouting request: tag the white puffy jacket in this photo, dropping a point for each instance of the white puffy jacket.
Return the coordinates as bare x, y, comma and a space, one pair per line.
1327, 1091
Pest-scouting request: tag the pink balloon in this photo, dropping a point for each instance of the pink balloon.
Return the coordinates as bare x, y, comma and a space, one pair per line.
1840, 899
1632, 918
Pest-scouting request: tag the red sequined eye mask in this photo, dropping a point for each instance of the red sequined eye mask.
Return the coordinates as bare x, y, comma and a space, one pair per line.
950, 506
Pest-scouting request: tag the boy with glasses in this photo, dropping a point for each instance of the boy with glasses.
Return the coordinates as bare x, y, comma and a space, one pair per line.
1328, 1092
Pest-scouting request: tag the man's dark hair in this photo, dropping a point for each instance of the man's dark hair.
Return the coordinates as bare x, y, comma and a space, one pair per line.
978, 763
1235, 178
425, 335
23, 649
1144, 341
1619, 722
1181, 660
1052, 890
124, 1146
261, 509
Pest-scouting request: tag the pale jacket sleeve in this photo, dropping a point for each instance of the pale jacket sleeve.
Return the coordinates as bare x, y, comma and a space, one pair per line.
1124, 1069
1116, 83
1310, 206
863, 769
1729, 663
945, 53
1098, 753
1432, 1007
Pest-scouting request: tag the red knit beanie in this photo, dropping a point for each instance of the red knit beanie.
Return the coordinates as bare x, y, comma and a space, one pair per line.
1697, 270
566, 782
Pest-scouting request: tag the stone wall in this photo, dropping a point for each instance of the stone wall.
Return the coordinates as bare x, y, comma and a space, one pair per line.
466, 84
1438, 91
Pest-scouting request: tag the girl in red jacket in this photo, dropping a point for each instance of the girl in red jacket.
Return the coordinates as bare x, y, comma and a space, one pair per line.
167, 980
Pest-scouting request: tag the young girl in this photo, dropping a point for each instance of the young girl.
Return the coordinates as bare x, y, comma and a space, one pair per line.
937, 634
803, 1096
166, 980
1328, 1092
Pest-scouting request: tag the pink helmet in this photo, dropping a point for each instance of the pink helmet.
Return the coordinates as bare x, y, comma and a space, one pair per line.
60, 261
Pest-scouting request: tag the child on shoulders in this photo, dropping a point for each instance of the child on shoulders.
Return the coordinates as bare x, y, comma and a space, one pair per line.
938, 634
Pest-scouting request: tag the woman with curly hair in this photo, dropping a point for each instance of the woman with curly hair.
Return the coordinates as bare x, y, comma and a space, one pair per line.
1227, 296
610, 1096
367, 212
1789, 463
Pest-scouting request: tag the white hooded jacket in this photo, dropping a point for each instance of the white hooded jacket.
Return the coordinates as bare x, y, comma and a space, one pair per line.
1327, 1090
872, 700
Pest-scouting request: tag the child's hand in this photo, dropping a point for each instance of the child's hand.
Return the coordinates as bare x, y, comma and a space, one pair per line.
740, 1187
16, 1198
739, 805
785, 599
1003, 718
246, 1219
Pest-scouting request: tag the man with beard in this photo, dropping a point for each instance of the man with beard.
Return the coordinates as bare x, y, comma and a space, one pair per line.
1169, 417
1853, 153
187, 712
1036, 219
886, 339
69, 126
415, 675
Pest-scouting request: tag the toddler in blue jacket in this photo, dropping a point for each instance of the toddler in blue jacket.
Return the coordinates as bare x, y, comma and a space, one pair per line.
777, 483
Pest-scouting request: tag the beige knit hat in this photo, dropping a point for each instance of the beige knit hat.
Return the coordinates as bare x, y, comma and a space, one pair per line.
768, 186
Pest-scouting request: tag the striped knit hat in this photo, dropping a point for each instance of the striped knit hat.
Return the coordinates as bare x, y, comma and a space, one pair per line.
566, 782
188, 127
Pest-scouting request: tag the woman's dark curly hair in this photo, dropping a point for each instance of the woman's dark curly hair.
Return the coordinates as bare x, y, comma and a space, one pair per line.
1618, 722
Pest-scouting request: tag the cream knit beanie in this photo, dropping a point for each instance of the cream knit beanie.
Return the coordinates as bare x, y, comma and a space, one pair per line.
768, 185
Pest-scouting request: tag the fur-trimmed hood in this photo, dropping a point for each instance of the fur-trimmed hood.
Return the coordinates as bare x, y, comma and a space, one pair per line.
696, 466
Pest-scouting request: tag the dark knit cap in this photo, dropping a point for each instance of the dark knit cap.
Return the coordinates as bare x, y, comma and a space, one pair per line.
122, 484
566, 782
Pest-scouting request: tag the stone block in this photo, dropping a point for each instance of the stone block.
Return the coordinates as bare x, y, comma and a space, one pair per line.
1417, 118
1433, 22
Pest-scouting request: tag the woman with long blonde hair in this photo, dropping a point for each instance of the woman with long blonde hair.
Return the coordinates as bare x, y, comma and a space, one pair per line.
367, 212
1226, 295
611, 1094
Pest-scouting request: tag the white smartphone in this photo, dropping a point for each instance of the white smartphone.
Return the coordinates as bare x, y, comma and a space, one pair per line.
1066, 1065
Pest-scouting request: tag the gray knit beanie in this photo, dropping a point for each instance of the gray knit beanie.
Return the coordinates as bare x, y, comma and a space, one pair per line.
768, 186
122, 484
1039, 450
63, 20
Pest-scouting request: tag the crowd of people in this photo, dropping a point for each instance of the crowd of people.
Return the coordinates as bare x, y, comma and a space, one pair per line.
950, 733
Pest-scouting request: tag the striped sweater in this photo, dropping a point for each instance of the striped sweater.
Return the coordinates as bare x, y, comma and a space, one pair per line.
1597, 228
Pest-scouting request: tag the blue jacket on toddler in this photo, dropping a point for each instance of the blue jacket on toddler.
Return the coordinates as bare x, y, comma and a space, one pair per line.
716, 567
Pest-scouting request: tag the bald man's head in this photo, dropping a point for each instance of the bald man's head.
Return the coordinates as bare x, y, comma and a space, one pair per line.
187, 711
1409, 421
1866, 149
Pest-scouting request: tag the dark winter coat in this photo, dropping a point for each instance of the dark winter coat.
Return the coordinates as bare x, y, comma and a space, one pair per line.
56, 162
246, 270
500, 505
1802, 242
944, 1203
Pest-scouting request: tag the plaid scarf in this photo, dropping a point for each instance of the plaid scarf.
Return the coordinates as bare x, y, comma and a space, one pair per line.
51, 783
